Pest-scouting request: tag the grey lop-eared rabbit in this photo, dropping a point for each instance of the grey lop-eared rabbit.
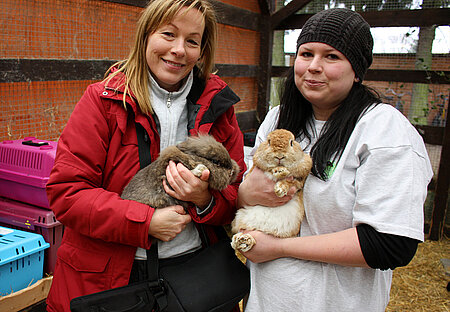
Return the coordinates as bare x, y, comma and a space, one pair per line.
196, 154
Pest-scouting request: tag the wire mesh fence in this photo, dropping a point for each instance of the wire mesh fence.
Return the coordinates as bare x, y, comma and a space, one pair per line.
101, 30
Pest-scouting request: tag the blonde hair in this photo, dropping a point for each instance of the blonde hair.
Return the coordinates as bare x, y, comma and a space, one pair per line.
159, 13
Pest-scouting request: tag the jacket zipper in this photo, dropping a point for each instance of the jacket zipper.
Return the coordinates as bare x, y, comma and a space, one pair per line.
169, 104
169, 101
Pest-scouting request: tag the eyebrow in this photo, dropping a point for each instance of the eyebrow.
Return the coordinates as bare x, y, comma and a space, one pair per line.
331, 49
191, 34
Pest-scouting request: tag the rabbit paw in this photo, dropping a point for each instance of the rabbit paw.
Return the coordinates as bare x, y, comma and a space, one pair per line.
197, 171
281, 189
280, 172
242, 242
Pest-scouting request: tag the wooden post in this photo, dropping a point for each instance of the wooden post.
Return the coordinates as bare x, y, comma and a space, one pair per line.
442, 185
264, 73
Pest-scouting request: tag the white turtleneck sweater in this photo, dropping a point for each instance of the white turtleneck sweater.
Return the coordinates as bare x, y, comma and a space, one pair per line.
171, 116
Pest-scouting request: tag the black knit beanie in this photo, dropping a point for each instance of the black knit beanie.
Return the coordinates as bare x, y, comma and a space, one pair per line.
344, 30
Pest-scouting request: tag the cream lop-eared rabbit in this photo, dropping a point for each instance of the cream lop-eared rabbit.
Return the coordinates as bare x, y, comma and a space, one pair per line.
283, 161
196, 154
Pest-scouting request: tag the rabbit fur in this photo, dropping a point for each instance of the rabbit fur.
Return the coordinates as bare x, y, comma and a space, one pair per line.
196, 154
280, 157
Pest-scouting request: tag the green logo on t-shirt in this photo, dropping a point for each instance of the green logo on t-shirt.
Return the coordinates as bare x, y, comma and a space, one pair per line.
329, 170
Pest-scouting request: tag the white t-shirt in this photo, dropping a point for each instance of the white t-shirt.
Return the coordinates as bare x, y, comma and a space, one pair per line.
380, 180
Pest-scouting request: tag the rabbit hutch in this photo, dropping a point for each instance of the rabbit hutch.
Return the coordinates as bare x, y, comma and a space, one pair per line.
51, 50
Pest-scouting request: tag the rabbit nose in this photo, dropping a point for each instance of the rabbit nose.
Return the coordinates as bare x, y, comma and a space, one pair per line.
279, 158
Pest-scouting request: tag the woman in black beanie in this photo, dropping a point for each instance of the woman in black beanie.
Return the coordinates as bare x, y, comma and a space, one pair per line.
364, 198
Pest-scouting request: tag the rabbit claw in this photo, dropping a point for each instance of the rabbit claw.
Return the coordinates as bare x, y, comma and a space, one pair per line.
280, 172
242, 242
197, 171
281, 189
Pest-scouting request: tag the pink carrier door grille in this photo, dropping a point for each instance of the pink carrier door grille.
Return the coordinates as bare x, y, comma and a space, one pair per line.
25, 166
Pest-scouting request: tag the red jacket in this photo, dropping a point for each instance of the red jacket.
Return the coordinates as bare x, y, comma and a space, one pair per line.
97, 155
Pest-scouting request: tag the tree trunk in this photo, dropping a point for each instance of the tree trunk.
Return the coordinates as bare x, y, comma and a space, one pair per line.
278, 59
419, 101
418, 110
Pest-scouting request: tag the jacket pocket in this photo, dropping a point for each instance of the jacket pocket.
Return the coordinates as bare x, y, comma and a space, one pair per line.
83, 260
83, 269
129, 136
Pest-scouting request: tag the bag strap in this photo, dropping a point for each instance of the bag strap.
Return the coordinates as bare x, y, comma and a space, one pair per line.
143, 146
152, 253
145, 160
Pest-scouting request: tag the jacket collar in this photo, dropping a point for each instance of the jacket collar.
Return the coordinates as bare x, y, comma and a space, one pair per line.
206, 100
198, 86
114, 90
117, 85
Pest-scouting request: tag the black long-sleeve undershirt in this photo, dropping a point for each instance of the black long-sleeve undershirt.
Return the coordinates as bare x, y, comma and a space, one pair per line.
385, 251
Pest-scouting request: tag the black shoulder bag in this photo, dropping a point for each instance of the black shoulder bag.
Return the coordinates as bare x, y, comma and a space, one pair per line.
211, 279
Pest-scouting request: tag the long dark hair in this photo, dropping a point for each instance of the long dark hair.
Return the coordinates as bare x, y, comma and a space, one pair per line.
296, 115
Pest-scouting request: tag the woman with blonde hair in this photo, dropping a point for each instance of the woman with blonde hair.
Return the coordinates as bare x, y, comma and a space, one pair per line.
165, 86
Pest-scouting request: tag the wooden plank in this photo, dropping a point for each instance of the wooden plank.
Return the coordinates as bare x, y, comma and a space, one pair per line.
431, 187
386, 18
442, 185
26, 297
408, 18
415, 76
136, 3
20, 70
247, 121
232, 70
431, 134
230, 15
287, 12
279, 71
264, 74
265, 6
226, 14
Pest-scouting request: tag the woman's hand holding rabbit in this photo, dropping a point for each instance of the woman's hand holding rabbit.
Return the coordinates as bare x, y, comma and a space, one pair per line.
267, 248
258, 189
168, 222
187, 187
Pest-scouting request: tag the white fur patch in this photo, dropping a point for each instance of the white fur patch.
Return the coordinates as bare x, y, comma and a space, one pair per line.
281, 221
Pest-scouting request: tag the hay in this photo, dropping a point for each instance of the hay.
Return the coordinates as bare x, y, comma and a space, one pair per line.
421, 285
